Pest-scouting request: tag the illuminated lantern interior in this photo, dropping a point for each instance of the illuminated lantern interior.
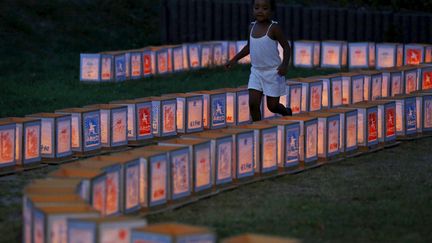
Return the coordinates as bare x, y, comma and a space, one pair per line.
333, 54
171, 232
328, 133
406, 114
388, 55
206, 54
295, 97
135, 62
222, 155
55, 135
306, 53
308, 147
361, 55
107, 67
164, 114
414, 54
368, 131
336, 85
178, 61
7, 143
426, 120
426, 78
118, 229
386, 120
90, 67
199, 152
428, 54
139, 118
348, 128
373, 85
218, 54
121, 64
396, 83
410, 80
148, 62
214, 108
266, 151
194, 56
86, 128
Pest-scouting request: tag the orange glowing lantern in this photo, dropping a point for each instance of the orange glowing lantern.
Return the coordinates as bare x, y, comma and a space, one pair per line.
386, 120
414, 54
361, 55
373, 85
120, 63
219, 57
178, 58
194, 61
7, 144
164, 113
388, 55
113, 124
90, 67
206, 54
214, 108
189, 112
428, 53
171, 233
348, 128
27, 140
327, 89
410, 79
93, 230
55, 135
199, 152
295, 97
334, 54
266, 149
148, 62
237, 106
86, 129
336, 91
407, 117
135, 62
367, 122
426, 78
306, 53
139, 119
424, 108
232, 49
312, 89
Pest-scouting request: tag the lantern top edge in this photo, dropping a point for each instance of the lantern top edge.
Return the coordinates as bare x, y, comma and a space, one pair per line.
47, 115
185, 142
207, 135
66, 209
76, 110
19, 119
106, 106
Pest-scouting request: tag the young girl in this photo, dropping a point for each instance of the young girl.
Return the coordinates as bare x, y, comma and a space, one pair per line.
268, 71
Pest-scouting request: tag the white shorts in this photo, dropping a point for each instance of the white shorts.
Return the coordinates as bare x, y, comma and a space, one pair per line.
268, 81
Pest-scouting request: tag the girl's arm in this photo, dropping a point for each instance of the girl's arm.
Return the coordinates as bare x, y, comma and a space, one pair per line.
244, 52
280, 37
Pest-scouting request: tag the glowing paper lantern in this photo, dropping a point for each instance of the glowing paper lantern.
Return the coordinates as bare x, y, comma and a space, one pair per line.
361, 55
86, 129
367, 133
7, 144
386, 120
50, 222
199, 152
327, 90
348, 128
288, 142
243, 151
406, 114
148, 62
426, 111
214, 108
90, 67
334, 54
206, 55
428, 54
171, 233
373, 84
178, 59
180, 170
222, 146
308, 141
232, 49
306, 53
336, 91
312, 89
136, 64
254, 238
55, 135
219, 58
410, 79
295, 97
240, 45
328, 134
163, 59
426, 78
113, 124
27, 140
396, 83
194, 54
139, 119
266, 151
414, 54
353, 88
237, 106
121, 65
189, 112
93, 230
388, 55
164, 113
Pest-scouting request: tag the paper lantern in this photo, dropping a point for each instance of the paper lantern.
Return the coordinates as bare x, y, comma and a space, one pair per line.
288, 142
333, 54
428, 53
86, 130
199, 151
163, 59
94, 230
172, 233
7, 144
388, 55
426, 78
237, 106
240, 45
180, 170
107, 67
139, 119
312, 89
266, 149
336, 88
254, 238
164, 112
27, 139
214, 108
295, 97
414, 54
194, 56
426, 112
306, 53
189, 112
386, 120
121, 66
348, 128
206, 55
113, 124
327, 90
367, 122
219, 58
148, 62
361, 55
50, 222
373, 85
406, 114
55, 135
232, 49
90, 67
221, 147
243, 151
178, 59
396, 84
410, 80
308, 139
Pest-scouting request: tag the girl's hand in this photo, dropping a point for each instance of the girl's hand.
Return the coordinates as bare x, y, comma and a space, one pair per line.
282, 70
230, 63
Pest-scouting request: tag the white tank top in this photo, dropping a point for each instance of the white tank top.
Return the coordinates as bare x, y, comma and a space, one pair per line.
264, 51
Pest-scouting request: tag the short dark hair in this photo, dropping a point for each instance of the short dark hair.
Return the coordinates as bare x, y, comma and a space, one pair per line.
272, 4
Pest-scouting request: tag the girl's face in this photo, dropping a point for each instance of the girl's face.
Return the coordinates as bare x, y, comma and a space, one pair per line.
262, 10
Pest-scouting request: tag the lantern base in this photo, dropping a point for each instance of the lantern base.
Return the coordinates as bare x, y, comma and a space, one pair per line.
141, 143
10, 170
83, 155
116, 149
57, 161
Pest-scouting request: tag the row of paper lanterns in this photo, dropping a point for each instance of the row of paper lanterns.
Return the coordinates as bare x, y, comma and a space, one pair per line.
177, 168
149, 61
53, 136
